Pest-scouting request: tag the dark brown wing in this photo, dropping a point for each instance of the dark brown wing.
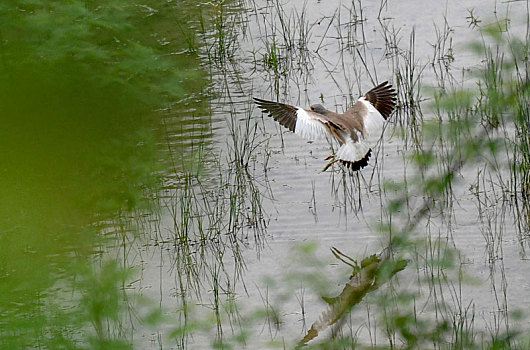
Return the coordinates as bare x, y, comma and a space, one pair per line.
383, 97
282, 113
305, 123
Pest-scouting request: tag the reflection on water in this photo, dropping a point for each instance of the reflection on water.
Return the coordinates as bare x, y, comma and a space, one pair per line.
81, 155
137, 212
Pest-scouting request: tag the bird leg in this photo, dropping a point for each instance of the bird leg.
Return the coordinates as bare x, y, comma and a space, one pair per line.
329, 164
330, 156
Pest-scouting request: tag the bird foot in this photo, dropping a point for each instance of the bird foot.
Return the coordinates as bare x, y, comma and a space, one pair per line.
329, 164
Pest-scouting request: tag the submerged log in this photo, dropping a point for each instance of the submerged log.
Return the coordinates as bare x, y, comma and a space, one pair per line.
373, 272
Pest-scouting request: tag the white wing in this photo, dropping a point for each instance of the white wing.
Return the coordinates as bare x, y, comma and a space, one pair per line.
310, 125
373, 120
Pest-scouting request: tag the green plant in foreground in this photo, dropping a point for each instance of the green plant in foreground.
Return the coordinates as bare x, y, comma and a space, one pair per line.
81, 87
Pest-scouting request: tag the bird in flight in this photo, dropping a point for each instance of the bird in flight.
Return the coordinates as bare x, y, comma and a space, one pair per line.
351, 129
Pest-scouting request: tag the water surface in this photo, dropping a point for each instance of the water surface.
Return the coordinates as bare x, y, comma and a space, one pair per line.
200, 221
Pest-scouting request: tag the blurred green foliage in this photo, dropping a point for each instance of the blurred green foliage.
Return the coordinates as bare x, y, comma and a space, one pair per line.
82, 84
110, 44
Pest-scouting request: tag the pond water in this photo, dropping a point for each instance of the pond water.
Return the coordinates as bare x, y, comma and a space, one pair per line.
227, 220
306, 52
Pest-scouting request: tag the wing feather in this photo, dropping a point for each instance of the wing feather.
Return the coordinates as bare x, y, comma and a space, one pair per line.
383, 98
305, 123
282, 113
312, 126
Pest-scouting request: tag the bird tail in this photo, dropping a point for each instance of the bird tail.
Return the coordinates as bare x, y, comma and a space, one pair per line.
354, 155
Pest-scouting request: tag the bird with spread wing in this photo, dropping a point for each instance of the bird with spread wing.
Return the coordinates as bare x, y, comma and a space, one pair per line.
351, 128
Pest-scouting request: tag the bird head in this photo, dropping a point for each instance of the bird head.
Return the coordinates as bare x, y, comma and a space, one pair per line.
318, 108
